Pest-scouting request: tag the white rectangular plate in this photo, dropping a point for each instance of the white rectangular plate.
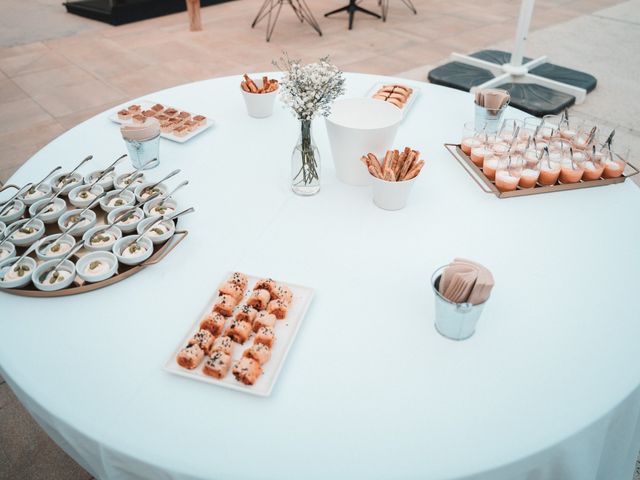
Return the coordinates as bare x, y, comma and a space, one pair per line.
146, 104
285, 331
410, 102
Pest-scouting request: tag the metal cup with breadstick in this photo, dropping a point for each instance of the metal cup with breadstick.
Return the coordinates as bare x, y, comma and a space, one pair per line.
268, 86
396, 167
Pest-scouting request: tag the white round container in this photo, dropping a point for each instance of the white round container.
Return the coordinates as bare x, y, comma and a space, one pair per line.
84, 272
76, 199
15, 212
66, 243
120, 245
126, 227
19, 282
46, 286
113, 232
19, 239
75, 179
43, 191
391, 195
260, 105
7, 250
154, 236
77, 231
358, 126
127, 196
59, 207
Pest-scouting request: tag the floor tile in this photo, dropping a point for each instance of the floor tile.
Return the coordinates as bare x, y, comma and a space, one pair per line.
9, 91
31, 62
21, 113
49, 81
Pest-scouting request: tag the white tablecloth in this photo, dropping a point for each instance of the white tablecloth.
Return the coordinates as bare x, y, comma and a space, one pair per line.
548, 388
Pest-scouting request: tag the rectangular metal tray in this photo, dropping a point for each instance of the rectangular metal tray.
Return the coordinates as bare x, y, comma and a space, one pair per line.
488, 186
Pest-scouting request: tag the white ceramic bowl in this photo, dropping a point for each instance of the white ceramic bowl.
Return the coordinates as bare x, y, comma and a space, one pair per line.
65, 244
22, 239
2, 227
107, 181
78, 231
59, 207
14, 213
84, 271
120, 181
76, 195
260, 105
141, 197
124, 242
113, 232
18, 282
43, 191
46, 286
154, 236
358, 126
128, 197
7, 250
170, 207
74, 180
126, 227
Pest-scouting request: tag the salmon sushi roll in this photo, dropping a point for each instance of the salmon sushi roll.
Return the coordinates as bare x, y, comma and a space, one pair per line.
265, 336
247, 371
203, 339
246, 314
239, 279
223, 344
217, 365
225, 305
259, 352
278, 308
264, 319
190, 357
267, 284
232, 289
238, 331
259, 299
214, 323
282, 292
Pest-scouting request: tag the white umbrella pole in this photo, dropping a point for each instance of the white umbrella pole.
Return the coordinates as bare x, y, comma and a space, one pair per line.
515, 71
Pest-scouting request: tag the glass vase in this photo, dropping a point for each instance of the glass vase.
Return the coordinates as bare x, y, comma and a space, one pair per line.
305, 163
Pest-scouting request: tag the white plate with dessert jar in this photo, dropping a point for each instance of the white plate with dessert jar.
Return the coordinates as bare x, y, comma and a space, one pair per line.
406, 95
285, 331
177, 125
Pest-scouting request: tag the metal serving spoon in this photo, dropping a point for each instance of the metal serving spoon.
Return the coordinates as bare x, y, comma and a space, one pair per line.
168, 195
10, 202
162, 219
69, 254
34, 188
166, 177
64, 179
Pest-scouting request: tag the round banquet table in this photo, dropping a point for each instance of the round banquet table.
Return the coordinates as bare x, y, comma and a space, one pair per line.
548, 388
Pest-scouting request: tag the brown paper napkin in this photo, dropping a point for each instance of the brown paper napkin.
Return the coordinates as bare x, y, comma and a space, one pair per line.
466, 281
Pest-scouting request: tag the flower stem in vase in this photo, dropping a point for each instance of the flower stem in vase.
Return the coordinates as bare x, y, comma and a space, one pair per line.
305, 163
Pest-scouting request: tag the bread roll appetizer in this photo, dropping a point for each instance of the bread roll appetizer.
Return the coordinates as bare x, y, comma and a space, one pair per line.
190, 357
278, 308
247, 370
217, 365
266, 336
213, 323
238, 331
259, 299
267, 284
225, 304
246, 313
282, 292
239, 279
232, 289
223, 344
259, 352
264, 319
204, 339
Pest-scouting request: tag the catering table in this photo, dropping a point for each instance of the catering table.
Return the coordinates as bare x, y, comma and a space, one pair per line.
548, 388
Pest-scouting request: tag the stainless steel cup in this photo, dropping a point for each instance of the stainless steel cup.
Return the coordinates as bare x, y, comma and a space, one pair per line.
144, 152
488, 120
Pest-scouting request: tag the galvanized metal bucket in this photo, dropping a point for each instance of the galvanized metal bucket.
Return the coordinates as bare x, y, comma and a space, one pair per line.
456, 321
488, 120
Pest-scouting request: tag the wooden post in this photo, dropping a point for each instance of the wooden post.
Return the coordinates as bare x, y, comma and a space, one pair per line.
193, 8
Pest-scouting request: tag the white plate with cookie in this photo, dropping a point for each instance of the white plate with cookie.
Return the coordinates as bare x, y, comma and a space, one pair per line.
401, 95
175, 124
284, 332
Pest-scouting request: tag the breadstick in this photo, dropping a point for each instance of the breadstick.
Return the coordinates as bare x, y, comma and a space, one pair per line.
374, 173
243, 84
415, 170
373, 162
407, 165
387, 160
389, 176
394, 160
265, 84
401, 161
250, 83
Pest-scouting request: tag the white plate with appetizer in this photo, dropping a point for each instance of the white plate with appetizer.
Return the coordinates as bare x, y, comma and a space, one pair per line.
401, 95
175, 124
242, 337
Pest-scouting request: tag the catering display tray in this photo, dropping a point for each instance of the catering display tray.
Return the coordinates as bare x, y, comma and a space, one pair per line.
285, 333
488, 186
412, 98
80, 286
146, 104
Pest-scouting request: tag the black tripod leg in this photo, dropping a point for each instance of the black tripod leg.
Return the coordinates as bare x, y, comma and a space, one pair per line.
337, 10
